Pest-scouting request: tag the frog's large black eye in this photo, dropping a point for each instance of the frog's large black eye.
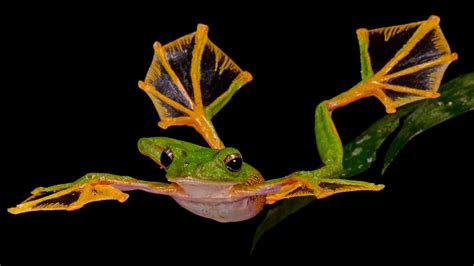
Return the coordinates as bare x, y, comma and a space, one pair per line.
166, 157
233, 162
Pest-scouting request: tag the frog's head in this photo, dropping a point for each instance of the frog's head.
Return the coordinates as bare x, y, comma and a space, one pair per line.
206, 178
184, 160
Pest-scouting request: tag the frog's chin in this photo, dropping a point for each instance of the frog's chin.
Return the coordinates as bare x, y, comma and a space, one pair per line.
199, 189
197, 181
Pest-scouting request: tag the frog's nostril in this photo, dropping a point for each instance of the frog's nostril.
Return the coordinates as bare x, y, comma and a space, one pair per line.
143, 145
186, 164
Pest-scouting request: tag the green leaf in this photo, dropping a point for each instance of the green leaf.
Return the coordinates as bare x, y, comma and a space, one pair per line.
360, 153
358, 156
278, 214
457, 97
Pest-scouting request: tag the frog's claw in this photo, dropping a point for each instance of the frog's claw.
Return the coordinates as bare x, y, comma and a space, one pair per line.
90, 188
190, 80
406, 64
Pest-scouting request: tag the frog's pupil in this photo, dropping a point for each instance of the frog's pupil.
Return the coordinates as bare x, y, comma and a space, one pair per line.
166, 157
234, 165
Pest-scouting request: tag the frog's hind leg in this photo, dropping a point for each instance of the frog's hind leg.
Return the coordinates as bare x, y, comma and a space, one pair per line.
405, 64
190, 80
399, 64
321, 182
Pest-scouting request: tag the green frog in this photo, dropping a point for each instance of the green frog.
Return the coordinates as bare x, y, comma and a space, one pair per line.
191, 79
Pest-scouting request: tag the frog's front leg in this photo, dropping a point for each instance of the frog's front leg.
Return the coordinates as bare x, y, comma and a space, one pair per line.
92, 187
305, 184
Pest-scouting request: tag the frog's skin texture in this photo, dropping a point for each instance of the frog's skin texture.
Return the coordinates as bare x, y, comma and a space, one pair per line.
191, 79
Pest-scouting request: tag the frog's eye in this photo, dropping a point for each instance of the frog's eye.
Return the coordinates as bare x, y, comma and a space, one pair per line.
166, 157
233, 162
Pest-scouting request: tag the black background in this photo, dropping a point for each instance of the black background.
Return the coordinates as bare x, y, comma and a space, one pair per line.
71, 105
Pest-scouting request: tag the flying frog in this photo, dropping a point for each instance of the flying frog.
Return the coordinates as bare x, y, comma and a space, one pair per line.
190, 80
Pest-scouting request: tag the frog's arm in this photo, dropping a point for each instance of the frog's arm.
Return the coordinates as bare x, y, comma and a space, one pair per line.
92, 187
401, 65
190, 80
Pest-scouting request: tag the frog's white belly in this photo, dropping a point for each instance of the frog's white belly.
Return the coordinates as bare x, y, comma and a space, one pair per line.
213, 200
235, 211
